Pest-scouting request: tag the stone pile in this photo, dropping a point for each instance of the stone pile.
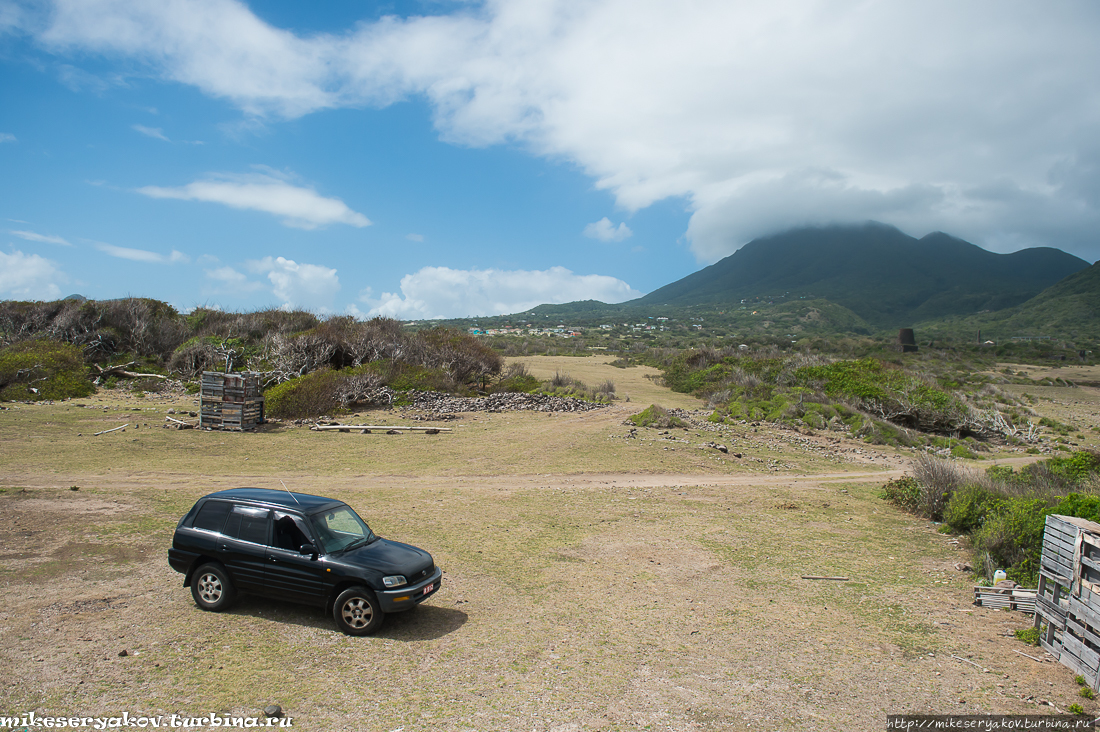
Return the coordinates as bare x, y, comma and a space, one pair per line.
436, 404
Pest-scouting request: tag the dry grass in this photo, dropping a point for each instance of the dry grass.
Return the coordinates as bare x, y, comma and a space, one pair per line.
630, 382
593, 581
569, 602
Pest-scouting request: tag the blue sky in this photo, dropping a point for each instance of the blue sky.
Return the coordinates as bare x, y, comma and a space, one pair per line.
445, 159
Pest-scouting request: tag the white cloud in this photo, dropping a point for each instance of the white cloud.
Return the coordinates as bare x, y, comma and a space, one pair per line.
440, 292
6, 137
34, 236
301, 208
604, 230
155, 132
976, 118
311, 286
141, 255
29, 277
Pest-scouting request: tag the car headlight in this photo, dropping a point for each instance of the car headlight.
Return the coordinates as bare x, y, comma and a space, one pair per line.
394, 580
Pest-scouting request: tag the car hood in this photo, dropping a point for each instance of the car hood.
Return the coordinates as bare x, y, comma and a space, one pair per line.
388, 557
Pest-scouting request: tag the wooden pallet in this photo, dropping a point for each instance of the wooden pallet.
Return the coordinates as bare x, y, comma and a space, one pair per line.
1006, 598
1067, 602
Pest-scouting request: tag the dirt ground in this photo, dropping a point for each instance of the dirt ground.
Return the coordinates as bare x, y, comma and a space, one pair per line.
593, 580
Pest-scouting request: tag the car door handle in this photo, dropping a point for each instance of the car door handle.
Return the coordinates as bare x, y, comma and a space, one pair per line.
224, 547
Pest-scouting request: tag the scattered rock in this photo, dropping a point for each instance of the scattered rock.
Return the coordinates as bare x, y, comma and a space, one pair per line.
963, 567
74, 487
435, 405
273, 710
123, 653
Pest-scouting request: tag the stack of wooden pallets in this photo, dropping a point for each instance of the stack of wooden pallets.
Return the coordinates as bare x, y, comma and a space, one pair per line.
1067, 606
231, 401
1006, 598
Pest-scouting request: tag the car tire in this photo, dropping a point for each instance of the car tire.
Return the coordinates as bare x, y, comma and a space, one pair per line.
211, 588
357, 612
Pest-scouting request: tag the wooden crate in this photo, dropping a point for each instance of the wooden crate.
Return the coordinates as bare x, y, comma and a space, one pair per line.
231, 401
1067, 602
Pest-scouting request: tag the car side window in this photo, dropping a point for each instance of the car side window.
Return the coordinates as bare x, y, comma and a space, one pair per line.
212, 515
248, 524
290, 532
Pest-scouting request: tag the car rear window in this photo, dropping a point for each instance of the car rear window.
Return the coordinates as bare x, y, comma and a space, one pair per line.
248, 524
212, 515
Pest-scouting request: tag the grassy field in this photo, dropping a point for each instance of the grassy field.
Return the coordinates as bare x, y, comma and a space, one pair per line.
593, 581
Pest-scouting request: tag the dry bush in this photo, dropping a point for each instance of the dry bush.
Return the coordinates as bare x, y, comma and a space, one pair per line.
938, 479
561, 380
192, 359
607, 388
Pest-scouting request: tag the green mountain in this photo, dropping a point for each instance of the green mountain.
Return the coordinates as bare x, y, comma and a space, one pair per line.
887, 278
1070, 308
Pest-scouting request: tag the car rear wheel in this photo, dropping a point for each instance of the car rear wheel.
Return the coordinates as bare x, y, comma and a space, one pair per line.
211, 588
357, 611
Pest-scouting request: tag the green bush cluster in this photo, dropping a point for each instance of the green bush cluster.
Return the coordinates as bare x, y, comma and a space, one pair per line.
805, 390
307, 396
905, 492
656, 416
1003, 511
42, 369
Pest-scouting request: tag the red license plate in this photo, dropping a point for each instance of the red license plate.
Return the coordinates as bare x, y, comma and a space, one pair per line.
429, 588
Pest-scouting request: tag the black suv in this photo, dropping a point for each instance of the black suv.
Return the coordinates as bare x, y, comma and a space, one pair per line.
301, 548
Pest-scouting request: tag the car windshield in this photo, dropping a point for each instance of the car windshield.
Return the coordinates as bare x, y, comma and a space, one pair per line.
341, 529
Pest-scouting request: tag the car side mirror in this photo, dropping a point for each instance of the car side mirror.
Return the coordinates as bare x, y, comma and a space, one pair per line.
307, 549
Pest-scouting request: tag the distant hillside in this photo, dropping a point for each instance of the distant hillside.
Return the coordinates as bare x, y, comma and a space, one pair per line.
1070, 308
887, 278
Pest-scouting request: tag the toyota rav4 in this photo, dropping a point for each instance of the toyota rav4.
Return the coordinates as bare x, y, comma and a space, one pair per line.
299, 548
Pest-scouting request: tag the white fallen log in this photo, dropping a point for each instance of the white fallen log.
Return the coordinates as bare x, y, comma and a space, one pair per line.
97, 434
384, 427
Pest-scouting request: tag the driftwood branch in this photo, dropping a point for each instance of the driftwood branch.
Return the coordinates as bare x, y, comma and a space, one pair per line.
97, 434
121, 370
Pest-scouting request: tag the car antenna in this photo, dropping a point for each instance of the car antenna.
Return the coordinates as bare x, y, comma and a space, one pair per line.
291, 494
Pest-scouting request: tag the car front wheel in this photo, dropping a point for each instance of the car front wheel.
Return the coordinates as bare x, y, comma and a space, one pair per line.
357, 611
211, 588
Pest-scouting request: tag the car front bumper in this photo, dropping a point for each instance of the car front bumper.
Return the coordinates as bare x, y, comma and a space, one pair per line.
402, 598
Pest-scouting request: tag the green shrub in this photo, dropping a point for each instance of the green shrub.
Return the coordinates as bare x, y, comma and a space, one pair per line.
1013, 537
403, 377
525, 384
905, 492
969, 506
1028, 635
42, 369
655, 416
1076, 467
964, 452
1075, 504
307, 396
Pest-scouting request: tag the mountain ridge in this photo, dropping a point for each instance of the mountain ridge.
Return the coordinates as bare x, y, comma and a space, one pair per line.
888, 278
